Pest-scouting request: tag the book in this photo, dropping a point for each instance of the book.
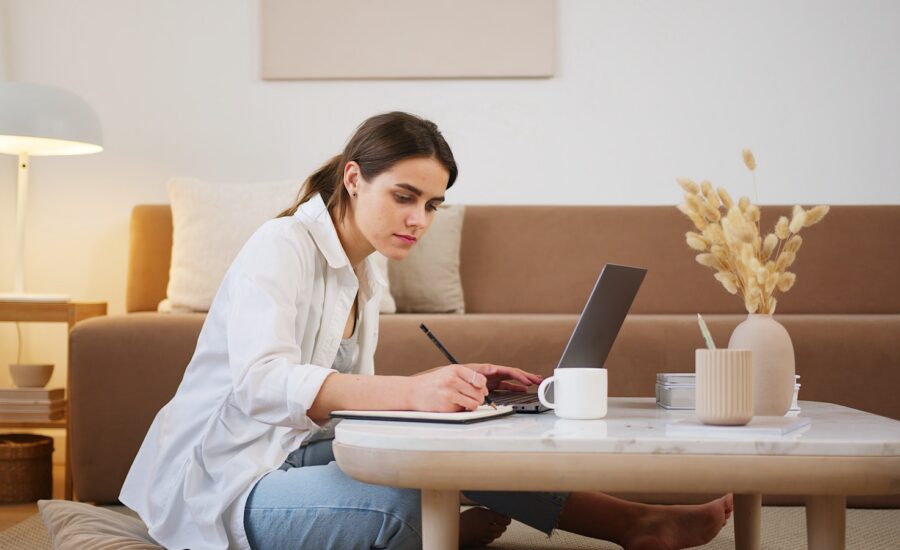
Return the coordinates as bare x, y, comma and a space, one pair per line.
32, 417
759, 426
31, 406
484, 412
32, 394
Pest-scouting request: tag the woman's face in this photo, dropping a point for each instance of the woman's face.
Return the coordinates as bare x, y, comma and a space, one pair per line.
395, 208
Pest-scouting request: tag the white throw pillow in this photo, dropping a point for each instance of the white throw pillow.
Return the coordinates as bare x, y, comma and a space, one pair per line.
211, 222
428, 280
80, 526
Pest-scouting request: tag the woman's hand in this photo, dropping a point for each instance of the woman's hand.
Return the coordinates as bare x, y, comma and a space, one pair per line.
501, 378
452, 388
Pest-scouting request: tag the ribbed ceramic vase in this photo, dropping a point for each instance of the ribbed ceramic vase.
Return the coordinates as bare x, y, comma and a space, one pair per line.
773, 362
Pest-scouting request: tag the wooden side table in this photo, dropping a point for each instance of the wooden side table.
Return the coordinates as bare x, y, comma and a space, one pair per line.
51, 312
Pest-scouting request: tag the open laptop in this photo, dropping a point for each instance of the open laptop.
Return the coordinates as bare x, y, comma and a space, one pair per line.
595, 331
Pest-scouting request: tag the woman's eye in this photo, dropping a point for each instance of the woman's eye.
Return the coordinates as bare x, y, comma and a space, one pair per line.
432, 207
403, 198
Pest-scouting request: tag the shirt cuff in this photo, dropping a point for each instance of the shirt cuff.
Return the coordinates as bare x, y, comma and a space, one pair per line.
303, 387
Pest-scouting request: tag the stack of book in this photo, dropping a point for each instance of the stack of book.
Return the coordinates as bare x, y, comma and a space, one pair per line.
675, 390
32, 404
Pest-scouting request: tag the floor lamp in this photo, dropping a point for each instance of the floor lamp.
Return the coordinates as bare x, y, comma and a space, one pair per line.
37, 120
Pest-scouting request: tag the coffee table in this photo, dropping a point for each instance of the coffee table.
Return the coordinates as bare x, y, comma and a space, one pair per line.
842, 452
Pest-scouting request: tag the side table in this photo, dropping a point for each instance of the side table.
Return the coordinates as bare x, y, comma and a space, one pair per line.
51, 312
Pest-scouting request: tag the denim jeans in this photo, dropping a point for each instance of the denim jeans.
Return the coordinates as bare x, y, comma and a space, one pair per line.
309, 503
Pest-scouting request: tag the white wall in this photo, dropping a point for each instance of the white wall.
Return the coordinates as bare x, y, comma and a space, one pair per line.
645, 91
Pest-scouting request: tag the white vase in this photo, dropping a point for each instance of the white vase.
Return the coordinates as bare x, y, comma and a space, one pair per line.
773, 362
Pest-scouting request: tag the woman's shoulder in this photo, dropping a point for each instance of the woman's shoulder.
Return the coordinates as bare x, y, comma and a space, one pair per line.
280, 237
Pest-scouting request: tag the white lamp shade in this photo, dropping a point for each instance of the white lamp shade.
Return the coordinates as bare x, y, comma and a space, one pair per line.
44, 120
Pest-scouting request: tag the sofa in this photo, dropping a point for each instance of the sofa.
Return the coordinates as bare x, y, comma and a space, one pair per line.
526, 272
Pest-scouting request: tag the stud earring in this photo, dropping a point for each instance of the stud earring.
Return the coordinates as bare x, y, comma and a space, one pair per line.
354, 193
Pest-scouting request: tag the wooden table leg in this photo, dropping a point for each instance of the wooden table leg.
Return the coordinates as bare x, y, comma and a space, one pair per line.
440, 520
826, 522
747, 512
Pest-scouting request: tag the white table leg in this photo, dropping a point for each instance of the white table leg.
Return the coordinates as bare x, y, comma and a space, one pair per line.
440, 520
747, 511
826, 522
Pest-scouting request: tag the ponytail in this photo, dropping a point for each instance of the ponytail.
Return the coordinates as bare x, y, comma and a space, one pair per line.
324, 181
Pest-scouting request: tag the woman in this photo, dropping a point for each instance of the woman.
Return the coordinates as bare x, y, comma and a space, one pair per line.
241, 456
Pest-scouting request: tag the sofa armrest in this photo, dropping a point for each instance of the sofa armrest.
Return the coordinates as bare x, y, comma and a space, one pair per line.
123, 369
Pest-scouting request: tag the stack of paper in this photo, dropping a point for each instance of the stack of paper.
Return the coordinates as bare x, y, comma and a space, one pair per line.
32, 404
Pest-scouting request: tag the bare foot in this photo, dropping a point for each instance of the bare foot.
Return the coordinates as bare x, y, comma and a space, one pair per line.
675, 527
480, 527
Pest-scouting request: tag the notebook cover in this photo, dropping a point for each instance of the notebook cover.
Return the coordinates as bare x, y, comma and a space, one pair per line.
484, 412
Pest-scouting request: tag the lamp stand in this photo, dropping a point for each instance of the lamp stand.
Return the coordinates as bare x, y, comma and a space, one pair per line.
18, 294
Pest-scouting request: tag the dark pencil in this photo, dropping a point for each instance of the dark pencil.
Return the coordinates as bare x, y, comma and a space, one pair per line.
449, 356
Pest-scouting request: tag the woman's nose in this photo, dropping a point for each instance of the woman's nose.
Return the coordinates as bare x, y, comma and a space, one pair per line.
417, 218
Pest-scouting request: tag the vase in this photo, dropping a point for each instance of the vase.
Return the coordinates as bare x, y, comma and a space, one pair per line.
773, 362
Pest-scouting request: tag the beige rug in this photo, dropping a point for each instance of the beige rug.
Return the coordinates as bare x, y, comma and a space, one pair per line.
783, 528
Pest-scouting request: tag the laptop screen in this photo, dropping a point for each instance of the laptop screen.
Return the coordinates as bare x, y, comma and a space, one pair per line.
602, 317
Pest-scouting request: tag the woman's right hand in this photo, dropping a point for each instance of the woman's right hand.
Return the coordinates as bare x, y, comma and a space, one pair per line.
452, 388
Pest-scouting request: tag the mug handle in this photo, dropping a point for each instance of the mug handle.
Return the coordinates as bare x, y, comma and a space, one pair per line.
542, 390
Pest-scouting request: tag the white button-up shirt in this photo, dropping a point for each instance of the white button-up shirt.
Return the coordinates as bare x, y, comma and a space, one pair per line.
272, 331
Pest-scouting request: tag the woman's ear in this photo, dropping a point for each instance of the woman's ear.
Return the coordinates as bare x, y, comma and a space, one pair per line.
352, 177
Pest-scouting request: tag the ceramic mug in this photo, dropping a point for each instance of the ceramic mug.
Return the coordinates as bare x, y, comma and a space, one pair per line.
579, 393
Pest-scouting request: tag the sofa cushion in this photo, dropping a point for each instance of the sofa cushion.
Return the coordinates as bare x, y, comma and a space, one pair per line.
211, 222
545, 259
428, 281
79, 526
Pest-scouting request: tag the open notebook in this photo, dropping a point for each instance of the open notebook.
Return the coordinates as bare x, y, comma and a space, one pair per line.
484, 412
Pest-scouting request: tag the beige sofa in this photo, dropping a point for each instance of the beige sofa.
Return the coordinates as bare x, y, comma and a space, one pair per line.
526, 272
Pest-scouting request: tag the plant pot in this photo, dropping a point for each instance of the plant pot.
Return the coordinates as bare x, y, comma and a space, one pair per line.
773, 362
30, 375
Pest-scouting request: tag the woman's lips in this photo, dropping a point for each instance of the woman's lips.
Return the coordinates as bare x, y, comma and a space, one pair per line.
406, 239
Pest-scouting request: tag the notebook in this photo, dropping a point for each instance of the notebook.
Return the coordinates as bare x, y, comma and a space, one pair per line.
484, 412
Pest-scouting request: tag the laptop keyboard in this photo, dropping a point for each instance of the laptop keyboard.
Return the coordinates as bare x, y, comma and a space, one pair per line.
514, 398
521, 402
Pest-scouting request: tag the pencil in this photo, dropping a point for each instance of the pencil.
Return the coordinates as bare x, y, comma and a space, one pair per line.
449, 356
705, 331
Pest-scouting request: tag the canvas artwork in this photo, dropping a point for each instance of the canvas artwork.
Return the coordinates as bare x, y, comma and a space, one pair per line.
360, 39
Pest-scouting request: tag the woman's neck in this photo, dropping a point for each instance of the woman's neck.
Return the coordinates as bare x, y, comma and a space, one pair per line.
353, 242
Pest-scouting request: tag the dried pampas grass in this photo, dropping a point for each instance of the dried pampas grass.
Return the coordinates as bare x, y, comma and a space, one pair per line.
728, 240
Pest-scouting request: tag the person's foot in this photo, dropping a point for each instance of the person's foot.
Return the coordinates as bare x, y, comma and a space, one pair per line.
480, 527
675, 527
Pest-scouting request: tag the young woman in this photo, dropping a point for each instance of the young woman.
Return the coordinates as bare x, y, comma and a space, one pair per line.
241, 456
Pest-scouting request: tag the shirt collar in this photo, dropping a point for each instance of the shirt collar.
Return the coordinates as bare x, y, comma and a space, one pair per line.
315, 216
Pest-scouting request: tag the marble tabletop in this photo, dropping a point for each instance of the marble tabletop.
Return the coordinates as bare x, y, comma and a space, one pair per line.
635, 425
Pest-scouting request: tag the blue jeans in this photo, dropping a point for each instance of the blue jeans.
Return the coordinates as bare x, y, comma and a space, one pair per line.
309, 503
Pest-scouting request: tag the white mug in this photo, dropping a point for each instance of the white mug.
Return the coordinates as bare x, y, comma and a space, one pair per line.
579, 393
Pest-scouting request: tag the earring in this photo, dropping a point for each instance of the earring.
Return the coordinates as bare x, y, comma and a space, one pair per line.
354, 193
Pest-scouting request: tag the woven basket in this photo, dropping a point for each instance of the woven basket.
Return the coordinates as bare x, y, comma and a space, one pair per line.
26, 472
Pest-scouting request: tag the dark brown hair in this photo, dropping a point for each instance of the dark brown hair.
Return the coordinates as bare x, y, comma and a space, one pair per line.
378, 143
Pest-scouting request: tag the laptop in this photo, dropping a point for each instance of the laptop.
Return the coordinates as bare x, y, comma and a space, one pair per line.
594, 333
